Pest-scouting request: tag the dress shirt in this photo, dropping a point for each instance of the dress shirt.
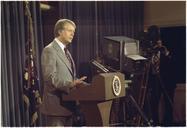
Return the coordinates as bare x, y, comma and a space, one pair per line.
62, 46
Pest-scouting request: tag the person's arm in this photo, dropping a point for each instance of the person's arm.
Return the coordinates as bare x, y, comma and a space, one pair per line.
162, 49
80, 82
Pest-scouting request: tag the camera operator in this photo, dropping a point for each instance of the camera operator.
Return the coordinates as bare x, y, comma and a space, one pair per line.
161, 82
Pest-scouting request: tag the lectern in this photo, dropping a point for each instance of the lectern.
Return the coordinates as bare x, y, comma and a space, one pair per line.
96, 99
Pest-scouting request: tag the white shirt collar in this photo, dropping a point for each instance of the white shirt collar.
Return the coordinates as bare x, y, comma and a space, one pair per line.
62, 46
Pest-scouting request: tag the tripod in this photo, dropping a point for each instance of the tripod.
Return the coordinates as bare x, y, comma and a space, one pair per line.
131, 98
157, 86
141, 97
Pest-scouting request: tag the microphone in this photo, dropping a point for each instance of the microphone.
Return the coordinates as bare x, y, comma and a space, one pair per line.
99, 66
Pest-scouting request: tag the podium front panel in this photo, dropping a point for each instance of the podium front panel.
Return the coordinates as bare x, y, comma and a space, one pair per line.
105, 86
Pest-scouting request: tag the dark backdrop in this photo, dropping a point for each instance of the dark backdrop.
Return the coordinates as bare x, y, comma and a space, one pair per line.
175, 39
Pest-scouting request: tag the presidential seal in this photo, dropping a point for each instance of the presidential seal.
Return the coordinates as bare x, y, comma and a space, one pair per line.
116, 86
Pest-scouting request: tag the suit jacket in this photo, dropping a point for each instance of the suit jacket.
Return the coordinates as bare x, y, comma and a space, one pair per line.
58, 77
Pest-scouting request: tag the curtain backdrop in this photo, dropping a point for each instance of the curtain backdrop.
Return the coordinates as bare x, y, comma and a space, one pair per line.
14, 37
83, 47
94, 20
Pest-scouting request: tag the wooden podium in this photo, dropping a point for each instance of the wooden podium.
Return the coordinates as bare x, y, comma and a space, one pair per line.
96, 99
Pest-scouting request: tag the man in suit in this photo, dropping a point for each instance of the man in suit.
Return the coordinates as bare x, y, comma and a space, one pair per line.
59, 75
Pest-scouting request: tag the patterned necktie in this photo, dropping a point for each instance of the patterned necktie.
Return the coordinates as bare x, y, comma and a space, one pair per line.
71, 62
68, 56
156, 63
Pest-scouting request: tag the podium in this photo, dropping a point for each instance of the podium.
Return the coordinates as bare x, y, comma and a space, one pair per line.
96, 99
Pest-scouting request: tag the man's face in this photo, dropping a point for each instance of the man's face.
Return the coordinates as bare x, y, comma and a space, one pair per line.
159, 43
67, 34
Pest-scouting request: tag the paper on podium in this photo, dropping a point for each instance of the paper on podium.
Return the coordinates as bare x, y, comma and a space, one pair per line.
136, 57
132, 51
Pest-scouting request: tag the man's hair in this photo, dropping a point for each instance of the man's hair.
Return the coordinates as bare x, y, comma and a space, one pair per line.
60, 25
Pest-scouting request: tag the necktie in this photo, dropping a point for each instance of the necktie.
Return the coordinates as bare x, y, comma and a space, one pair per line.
71, 62
68, 56
156, 63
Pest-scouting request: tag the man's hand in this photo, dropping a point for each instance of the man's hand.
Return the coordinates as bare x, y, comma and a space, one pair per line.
78, 82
